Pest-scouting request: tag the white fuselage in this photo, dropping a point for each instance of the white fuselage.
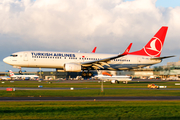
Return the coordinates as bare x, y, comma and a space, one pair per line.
4, 78
24, 76
46, 59
118, 78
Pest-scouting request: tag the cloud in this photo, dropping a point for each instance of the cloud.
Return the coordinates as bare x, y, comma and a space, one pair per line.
66, 25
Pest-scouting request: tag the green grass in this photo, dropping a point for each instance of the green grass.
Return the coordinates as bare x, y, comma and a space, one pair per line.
117, 110
86, 92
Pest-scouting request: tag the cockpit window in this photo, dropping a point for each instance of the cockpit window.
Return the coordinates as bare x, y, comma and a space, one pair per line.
14, 55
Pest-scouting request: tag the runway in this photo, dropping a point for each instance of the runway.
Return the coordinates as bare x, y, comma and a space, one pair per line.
4, 88
131, 98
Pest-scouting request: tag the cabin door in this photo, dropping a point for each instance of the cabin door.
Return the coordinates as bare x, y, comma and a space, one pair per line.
25, 57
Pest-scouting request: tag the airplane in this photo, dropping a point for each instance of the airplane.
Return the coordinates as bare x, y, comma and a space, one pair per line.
5, 78
32, 77
76, 62
105, 76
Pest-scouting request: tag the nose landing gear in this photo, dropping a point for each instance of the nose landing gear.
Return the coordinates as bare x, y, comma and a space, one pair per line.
20, 71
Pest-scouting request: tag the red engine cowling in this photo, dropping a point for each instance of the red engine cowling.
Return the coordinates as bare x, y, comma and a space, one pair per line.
72, 67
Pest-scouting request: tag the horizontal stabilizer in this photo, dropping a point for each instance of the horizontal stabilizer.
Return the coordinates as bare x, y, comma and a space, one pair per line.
160, 58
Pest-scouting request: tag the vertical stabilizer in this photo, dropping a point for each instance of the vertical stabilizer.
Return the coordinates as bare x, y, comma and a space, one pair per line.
11, 73
154, 47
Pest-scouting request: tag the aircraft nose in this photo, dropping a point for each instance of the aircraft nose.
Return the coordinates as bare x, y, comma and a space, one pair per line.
6, 60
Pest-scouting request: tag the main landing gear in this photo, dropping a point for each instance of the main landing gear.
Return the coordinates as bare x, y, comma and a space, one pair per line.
86, 74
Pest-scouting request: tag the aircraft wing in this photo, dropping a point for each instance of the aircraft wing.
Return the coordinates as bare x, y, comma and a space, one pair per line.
100, 63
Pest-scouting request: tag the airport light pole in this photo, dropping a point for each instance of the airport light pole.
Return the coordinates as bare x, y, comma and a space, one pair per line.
40, 73
102, 89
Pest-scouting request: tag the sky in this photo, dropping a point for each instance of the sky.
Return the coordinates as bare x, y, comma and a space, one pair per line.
66, 26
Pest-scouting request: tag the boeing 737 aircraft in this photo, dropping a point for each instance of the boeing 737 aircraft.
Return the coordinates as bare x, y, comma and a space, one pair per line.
75, 62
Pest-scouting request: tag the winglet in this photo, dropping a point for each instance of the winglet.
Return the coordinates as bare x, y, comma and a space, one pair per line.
94, 50
127, 50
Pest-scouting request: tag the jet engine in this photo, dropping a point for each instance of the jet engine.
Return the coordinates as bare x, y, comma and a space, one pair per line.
114, 81
72, 67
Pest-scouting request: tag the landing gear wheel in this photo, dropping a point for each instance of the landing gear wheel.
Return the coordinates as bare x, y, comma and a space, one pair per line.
20, 72
83, 74
117, 81
89, 74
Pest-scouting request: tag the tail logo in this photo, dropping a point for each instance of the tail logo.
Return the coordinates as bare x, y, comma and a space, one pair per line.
154, 47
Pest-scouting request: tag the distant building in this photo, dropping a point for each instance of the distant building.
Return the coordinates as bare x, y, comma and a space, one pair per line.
57, 75
138, 73
173, 63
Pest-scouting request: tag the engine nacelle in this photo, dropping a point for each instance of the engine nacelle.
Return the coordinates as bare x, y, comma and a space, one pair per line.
114, 81
72, 67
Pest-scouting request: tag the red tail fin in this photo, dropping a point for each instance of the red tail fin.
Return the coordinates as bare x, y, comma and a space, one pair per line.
105, 73
11, 73
154, 47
